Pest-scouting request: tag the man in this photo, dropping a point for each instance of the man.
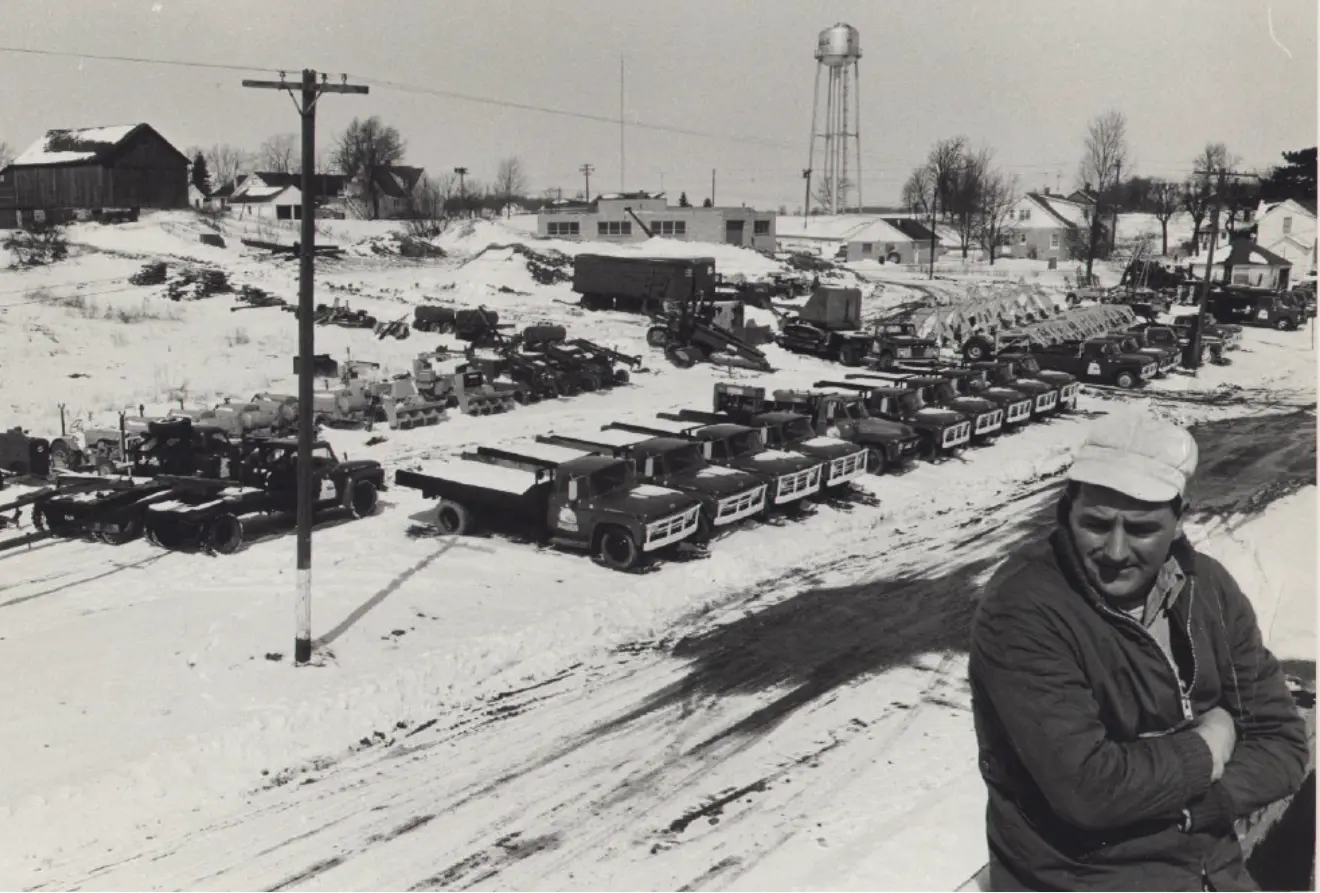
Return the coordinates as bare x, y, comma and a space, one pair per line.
1126, 709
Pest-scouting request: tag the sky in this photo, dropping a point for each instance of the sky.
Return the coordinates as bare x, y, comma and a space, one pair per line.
1022, 77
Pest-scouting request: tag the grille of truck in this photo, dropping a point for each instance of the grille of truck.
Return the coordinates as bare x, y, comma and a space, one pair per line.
1148, 371
1069, 394
1047, 401
740, 505
798, 484
671, 529
1019, 411
847, 468
954, 435
989, 422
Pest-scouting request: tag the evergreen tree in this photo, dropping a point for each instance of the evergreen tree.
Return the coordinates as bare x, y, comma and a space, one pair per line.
200, 177
707, 204
1295, 180
683, 200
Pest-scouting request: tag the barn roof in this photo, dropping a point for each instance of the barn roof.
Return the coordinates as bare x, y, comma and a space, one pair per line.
66, 146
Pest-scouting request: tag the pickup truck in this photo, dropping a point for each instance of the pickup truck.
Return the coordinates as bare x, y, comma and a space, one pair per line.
842, 414
1044, 395
941, 430
1131, 343
589, 502
1025, 366
791, 477
1100, 362
727, 495
986, 418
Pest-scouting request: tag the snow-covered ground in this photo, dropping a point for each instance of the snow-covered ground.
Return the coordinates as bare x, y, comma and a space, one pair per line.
790, 712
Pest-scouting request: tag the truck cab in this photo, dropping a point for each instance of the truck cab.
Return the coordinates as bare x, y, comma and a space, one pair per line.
898, 342
791, 477
842, 413
941, 430
727, 495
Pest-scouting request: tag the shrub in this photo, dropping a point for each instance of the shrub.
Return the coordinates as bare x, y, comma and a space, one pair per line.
38, 245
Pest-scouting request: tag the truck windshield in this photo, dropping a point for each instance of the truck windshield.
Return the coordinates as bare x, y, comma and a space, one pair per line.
684, 459
748, 443
1002, 375
852, 409
611, 478
798, 429
944, 392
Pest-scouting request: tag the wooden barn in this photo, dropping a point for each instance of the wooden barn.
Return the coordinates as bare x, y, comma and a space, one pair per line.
76, 173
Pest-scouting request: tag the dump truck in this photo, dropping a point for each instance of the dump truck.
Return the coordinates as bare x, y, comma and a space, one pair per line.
1043, 396
1099, 362
1015, 403
942, 431
829, 325
727, 495
560, 496
898, 342
842, 414
986, 419
791, 477
209, 512
1255, 307
641, 284
784, 429
1025, 365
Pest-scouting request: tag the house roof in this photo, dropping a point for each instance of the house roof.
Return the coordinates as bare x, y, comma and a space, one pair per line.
398, 181
260, 194
1245, 253
1069, 213
826, 227
910, 228
634, 196
322, 184
88, 144
879, 230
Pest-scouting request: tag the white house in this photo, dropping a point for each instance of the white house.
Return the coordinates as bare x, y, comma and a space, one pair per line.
196, 198
860, 236
1288, 229
267, 203
1044, 225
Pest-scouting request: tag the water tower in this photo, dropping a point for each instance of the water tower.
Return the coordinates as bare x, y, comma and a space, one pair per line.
837, 50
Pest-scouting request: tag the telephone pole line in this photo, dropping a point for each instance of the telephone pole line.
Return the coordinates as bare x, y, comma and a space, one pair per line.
311, 91
462, 194
586, 171
1221, 178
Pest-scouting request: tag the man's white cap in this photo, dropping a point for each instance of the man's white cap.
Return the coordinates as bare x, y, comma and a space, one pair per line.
1141, 456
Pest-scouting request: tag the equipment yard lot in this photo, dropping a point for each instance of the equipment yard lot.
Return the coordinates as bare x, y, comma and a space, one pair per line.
789, 711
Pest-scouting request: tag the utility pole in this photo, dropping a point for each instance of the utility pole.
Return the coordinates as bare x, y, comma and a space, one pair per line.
806, 199
712, 187
587, 170
934, 201
462, 195
621, 153
311, 92
1195, 346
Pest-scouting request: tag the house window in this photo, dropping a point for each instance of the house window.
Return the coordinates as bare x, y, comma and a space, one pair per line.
1287, 225
283, 212
669, 227
1022, 238
867, 247
1054, 240
761, 227
566, 228
680, 227
614, 228
1024, 214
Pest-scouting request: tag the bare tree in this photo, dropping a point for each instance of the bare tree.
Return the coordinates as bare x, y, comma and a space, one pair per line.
225, 163
823, 194
364, 152
963, 199
918, 192
998, 195
1105, 157
7, 155
1208, 180
279, 154
1164, 199
510, 181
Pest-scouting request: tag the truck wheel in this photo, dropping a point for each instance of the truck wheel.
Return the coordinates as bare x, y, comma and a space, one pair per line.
1284, 325
224, 536
657, 336
851, 354
621, 376
705, 529
616, 548
1125, 380
977, 349
681, 358
361, 498
876, 460
453, 519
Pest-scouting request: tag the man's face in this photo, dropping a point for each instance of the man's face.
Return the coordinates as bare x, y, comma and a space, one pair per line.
1123, 542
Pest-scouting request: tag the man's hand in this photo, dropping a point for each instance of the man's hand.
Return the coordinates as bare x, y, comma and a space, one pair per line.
1218, 731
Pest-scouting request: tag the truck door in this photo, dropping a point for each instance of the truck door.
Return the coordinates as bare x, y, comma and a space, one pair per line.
564, 518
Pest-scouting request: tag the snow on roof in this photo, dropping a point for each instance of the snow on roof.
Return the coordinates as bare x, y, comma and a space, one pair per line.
1069, 212
259, 194
880, 231
64, 146
832, 227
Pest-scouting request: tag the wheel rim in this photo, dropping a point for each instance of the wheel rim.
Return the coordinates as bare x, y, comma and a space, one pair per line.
449, 520
617, 548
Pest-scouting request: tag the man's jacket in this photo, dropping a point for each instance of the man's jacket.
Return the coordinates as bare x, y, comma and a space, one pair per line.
1083, 729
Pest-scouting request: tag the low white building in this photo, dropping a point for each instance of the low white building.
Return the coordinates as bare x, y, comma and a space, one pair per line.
885, 238
267, 203
1288, 229
610, 218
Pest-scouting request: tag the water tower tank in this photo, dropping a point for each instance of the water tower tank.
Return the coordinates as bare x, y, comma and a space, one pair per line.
838, 45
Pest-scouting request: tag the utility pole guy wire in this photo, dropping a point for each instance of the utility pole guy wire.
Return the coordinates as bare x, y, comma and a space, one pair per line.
311, 91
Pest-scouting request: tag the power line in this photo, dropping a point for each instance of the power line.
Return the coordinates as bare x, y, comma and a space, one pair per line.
181, 63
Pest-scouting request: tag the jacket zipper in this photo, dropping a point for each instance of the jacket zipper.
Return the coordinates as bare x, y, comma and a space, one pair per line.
1184, 693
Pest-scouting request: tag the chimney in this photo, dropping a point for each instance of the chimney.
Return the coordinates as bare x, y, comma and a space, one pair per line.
1047, 190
